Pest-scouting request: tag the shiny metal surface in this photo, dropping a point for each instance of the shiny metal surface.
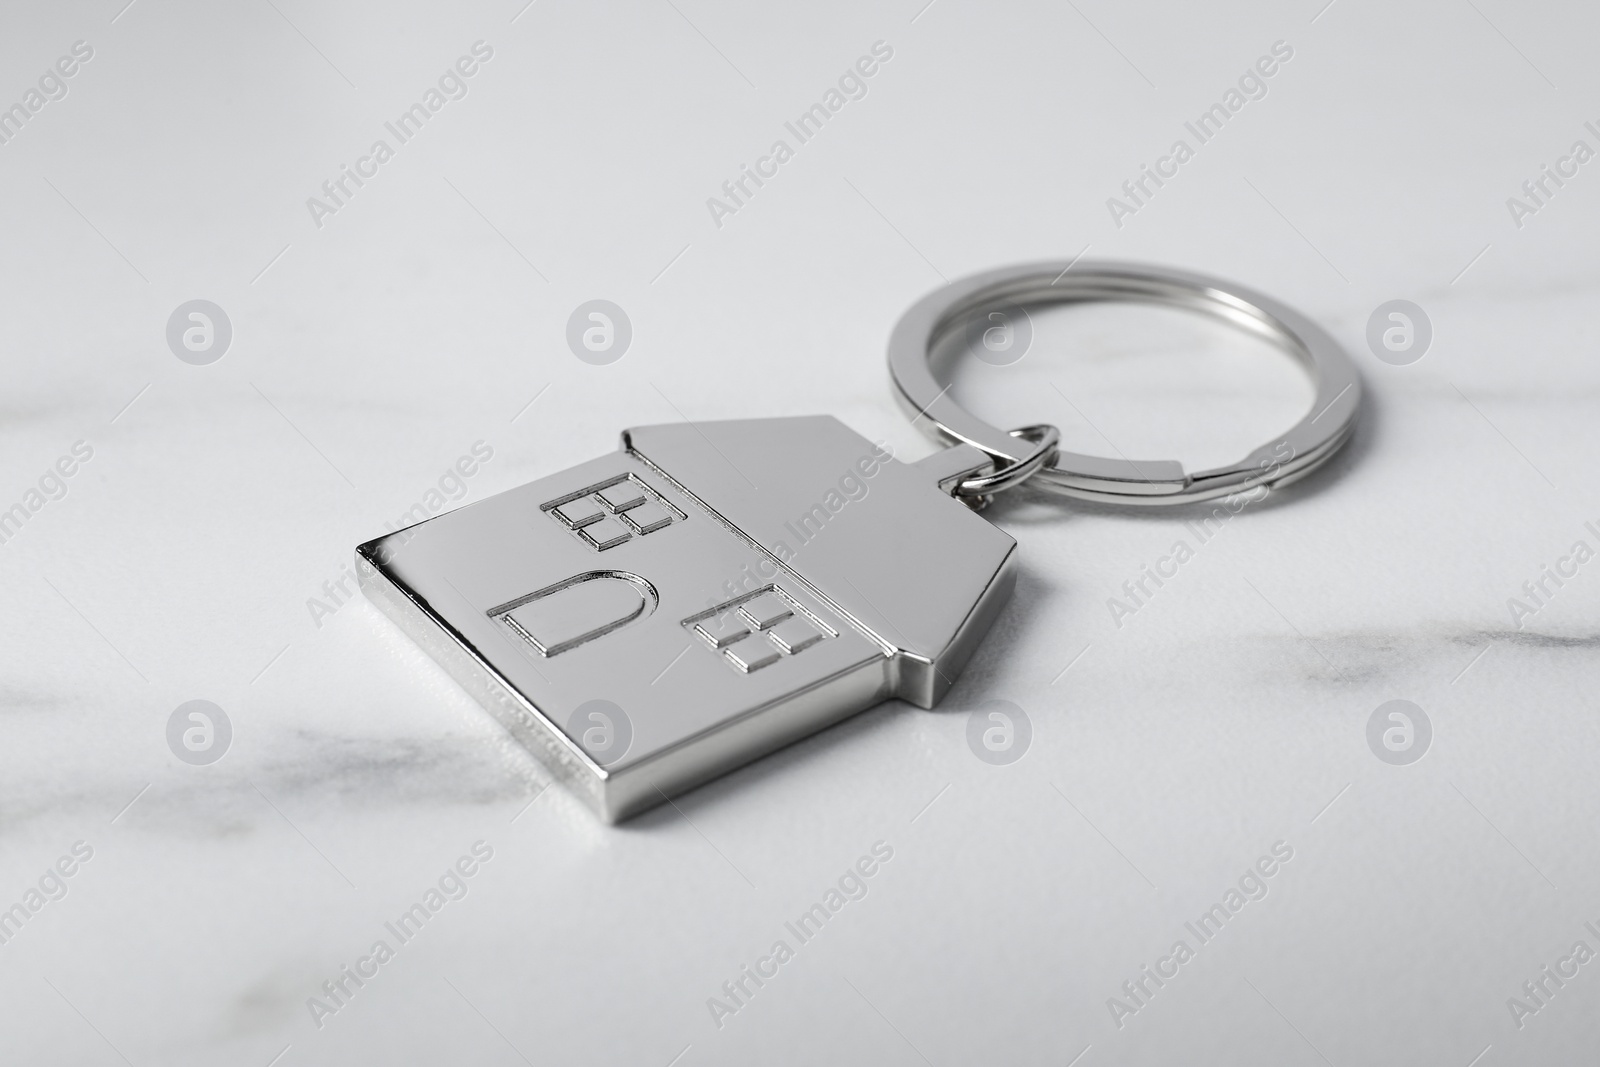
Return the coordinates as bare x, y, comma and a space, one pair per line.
729, 586
1045, 440
1280, 461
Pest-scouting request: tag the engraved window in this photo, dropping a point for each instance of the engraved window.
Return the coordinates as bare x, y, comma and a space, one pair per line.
613, 512
758, 629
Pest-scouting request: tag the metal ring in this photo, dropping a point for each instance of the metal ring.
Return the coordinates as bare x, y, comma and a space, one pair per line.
1045, 438
1280, 461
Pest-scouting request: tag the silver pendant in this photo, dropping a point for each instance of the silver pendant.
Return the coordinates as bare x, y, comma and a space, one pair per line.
658, 616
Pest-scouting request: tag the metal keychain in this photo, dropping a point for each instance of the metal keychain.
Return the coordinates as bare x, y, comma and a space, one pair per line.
656, 617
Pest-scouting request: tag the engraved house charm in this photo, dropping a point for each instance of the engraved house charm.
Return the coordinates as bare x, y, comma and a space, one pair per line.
729, 586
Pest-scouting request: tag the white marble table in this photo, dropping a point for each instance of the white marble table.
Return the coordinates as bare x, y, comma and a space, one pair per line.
375, 344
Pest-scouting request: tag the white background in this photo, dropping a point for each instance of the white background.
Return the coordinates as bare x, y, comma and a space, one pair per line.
1168, 753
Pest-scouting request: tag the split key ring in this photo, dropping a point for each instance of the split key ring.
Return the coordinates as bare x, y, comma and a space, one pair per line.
1293, 455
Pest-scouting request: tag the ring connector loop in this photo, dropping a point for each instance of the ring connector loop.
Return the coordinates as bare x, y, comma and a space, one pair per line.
1009, 473
1282, 460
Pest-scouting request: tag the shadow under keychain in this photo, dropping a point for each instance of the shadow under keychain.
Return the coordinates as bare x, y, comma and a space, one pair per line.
659, 616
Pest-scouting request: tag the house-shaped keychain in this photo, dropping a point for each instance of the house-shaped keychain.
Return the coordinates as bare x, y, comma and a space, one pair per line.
656, 617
